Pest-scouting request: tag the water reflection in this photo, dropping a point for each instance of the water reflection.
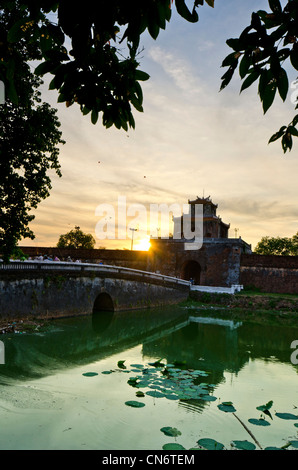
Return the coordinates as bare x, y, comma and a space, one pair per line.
168, 333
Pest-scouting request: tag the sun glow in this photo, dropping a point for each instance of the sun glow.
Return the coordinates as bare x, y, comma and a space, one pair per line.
143, 244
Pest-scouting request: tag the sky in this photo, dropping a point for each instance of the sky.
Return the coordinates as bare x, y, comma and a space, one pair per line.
192, 140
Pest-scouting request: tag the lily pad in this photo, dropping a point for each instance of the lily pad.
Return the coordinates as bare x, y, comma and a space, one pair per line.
135, 404
90, 374
121, 365
244, 445
155, 394
208, 398
173, 446
171, 396
286, 416
272, 448
168, 431
227, 407
294, 444
210, 444
259, 422
107, 372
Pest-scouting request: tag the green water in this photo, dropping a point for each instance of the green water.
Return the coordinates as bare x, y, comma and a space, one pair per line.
46, 401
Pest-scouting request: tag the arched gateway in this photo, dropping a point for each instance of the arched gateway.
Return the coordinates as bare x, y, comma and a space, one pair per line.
191, 270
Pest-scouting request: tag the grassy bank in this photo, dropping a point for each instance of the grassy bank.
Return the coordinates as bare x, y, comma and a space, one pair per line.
278, 309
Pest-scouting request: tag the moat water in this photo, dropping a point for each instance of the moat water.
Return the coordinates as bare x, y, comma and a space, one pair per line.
115, 382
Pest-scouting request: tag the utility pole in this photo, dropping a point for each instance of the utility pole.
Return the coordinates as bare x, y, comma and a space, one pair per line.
132, 232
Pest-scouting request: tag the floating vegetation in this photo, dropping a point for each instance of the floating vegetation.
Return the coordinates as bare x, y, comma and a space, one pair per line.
168, 431
243, 445
135, 404
171, 382
227, 407
90, 374
210, 444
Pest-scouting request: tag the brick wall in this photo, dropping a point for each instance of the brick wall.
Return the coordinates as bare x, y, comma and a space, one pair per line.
277, 274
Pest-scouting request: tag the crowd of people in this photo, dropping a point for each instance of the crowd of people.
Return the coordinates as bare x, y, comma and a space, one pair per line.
53, 258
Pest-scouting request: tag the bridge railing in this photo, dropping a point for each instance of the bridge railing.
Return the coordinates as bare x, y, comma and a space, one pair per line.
16, 265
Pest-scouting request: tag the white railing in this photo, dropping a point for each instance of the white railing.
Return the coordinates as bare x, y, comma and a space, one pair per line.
82, 267
218, 290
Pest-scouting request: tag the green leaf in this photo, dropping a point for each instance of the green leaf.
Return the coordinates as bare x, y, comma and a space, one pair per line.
286, 142
210, 444
283, 84
94, 116
121, 365
244, 445
141, 76
173, 446
135, 404
43, 68
227, 407
265, 407
259, 422
90, 374
252, 77
269, 95
183, 11
227, 77
210, 3
294, 444
277, 135
286, 416
155, 394
293, 131
244, 65
168, 431
231, 59
275, 6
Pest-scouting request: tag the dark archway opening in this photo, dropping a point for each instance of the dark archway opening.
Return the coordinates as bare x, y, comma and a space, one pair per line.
103, 303
103, 312
191, 270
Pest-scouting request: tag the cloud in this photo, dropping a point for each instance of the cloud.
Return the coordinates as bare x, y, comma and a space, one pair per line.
177, 69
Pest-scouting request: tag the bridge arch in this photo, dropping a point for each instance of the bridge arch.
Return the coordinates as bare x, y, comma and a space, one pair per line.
103, 303
191, 269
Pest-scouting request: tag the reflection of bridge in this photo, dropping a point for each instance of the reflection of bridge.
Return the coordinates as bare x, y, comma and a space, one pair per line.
67, 289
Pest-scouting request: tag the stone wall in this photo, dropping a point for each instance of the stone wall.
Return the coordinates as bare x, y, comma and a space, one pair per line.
277, 274
65, 293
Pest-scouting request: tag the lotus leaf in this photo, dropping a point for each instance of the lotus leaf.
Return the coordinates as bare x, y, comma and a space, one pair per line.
210, 444
244, 445
168, 431
227, 407
286, 416
135, 404
173, 446
259, 422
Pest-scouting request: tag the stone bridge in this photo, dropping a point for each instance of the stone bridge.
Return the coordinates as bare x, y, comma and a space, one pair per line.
56, 289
